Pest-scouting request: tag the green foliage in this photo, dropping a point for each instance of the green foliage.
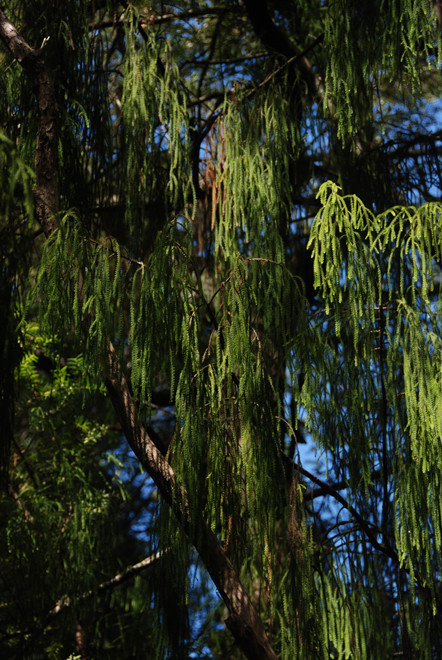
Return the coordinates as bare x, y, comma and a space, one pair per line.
388, 285
248, 297
367, 41
16, 209
61, 516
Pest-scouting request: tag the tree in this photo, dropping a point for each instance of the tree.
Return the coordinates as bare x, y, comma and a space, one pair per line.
230, 210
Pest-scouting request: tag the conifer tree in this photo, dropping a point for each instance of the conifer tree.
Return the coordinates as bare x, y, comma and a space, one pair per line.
230, 210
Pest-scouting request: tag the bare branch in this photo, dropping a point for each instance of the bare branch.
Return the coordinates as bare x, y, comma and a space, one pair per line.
15, 43
114, 582
158, 19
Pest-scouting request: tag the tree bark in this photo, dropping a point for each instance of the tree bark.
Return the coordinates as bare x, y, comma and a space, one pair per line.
243, 622
276, 40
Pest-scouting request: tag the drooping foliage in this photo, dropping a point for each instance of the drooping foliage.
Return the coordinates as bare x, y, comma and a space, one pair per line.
236, 183
372, 44
66, 503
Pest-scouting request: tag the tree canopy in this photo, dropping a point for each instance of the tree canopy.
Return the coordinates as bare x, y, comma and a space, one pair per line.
220, 346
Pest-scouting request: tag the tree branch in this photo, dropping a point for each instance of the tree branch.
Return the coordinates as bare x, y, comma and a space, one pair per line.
370, 530
114, 582
277, 40
66, 602
158, 19
243, 622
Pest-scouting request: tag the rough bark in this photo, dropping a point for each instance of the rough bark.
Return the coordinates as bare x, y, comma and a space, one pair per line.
243, 621
438, 11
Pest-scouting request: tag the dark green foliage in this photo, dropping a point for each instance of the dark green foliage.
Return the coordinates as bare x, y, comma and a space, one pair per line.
62, 510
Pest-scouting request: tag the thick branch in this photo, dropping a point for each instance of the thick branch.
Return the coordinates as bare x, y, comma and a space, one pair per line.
243, 621
46, 153
277, 40
15, 43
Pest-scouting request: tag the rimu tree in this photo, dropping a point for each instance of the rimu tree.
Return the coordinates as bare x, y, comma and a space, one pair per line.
230, 210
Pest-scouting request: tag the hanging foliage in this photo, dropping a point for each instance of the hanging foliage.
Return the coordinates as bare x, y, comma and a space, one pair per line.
202, 262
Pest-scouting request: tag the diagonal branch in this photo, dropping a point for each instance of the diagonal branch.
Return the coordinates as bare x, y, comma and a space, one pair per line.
65, 601
243, 621
277, 40
326, 489
112, 583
